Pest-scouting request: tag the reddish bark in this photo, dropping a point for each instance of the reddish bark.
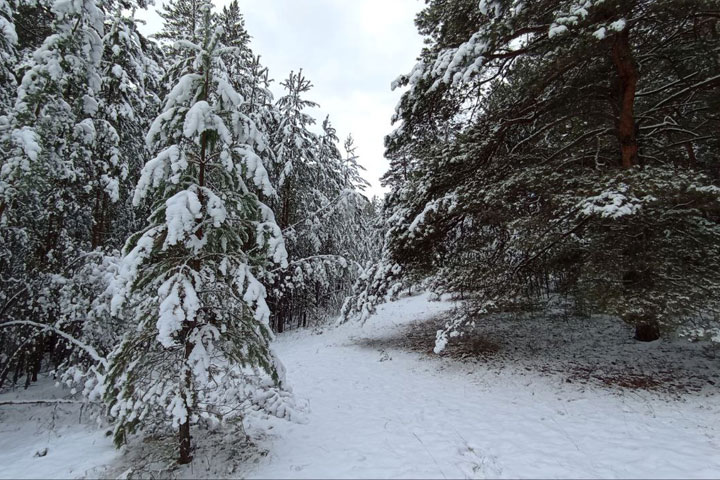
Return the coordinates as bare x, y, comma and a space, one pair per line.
624, 62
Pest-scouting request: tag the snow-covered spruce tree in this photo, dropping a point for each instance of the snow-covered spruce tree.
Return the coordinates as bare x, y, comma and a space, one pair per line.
381, 278
127, 105
48, 173
319, 209
8, 54
73, 144
182, 21
236, 35
563, 147
188, 281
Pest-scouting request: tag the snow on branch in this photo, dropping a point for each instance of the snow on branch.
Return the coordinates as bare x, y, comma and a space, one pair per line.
87, 348
334, 203
335, 258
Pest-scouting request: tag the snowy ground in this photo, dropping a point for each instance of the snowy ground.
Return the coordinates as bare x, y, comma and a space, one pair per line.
50, 441
378, 408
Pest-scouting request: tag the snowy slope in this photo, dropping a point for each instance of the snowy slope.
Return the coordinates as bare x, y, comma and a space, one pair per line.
377, 412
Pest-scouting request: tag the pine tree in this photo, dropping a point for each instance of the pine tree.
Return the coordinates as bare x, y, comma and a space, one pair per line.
294, 144
381, 279
73, 145
56, 105
33, 24
48, 173
320, 211
8, 59
128, 103
8, 54
182, 20
351, 168
189, 280
294, 150
562, 148
234, 32
254, 85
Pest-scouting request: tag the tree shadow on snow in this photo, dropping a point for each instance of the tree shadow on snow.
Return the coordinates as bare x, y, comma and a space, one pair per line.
597, 350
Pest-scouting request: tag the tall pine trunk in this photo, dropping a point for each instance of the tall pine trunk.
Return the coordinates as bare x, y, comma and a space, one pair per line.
627, 71
646, 329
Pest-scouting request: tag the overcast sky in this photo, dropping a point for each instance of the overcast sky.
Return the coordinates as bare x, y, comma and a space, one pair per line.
350, 49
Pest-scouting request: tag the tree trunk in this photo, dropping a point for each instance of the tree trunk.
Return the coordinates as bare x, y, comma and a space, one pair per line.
4, 374
692, 159
628, 75
184, 436
280, 327
98, 221
38, 354
19, 368
647, 331
28, 374
184, 433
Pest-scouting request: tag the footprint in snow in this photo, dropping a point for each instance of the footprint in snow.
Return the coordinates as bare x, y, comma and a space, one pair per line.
475, 464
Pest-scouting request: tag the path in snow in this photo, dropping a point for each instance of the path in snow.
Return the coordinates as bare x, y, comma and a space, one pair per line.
416, 416
383, 412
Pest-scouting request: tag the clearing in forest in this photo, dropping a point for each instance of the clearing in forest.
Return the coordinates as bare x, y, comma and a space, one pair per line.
502, 402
